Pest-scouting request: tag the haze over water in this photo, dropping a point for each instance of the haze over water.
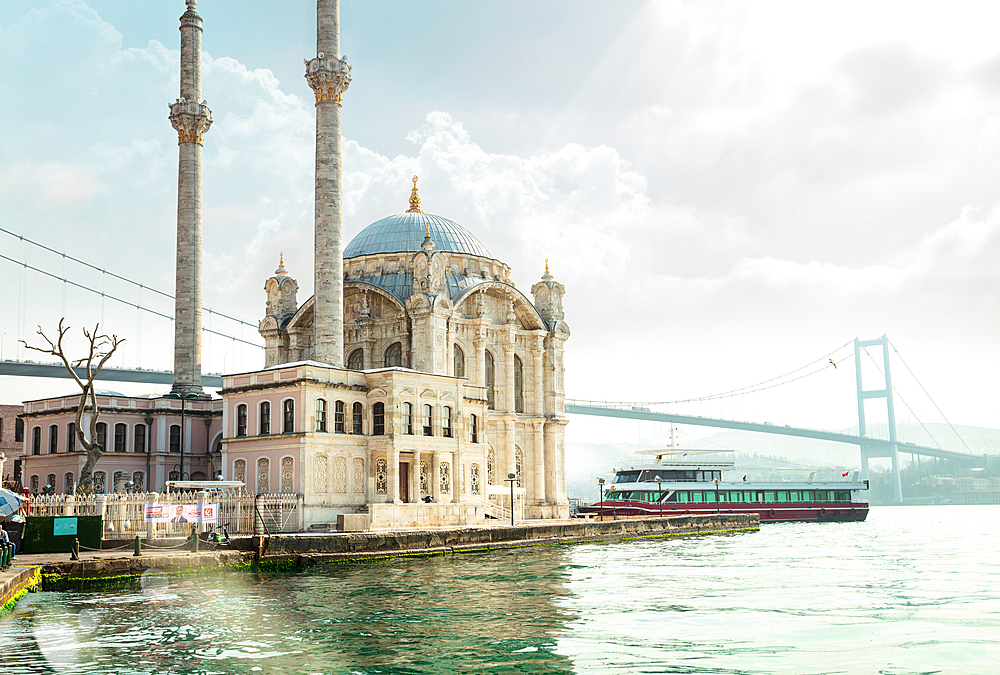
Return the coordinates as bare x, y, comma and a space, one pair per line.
913, 590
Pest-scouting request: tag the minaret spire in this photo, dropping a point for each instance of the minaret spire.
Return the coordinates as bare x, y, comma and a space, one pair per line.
191, 118
329, 76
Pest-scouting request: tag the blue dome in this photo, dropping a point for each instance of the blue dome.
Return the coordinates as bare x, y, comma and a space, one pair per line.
405, 232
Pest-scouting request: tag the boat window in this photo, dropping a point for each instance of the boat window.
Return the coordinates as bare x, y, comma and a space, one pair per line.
681, 497
782, 496
697, 497
768, 496
795, 496
843, 496
748, 497
822, 496
716, 475
627, 477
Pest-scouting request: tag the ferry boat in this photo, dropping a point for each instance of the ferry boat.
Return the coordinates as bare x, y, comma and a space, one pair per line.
682, 482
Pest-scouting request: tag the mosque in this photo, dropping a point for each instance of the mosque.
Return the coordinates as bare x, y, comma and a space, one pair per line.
408, 388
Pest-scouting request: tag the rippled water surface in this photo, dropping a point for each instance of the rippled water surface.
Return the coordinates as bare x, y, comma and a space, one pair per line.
913, 590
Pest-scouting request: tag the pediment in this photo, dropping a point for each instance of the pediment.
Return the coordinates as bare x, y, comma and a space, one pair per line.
428, 393
376, 392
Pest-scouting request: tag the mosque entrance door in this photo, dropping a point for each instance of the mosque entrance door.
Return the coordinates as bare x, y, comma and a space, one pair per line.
404, 481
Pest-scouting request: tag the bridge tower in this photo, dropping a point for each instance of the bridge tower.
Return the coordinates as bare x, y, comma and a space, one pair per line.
878, 449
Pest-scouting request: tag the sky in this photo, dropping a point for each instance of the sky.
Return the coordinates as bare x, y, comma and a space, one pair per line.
728, 190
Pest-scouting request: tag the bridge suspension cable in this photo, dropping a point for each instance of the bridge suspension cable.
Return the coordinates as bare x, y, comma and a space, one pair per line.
900, 396
103, 271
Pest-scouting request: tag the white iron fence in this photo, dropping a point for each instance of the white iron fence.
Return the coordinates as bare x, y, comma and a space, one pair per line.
123, 514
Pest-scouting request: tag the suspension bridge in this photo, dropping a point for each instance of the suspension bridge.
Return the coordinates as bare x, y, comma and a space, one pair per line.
873, 441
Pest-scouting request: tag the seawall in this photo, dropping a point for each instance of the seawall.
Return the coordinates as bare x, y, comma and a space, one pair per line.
15, 582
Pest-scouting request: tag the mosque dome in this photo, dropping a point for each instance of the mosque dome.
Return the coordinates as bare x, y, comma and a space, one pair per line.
405, 232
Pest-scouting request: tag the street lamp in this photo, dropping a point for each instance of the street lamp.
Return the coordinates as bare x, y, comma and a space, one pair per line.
716, 481
600, 504
659, 496
511, 477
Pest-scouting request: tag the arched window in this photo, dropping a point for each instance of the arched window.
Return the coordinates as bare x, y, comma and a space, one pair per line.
265, 418
394, 355
36, 441
288, 417
491, 467
53, 439
356, 361
519, 465
320, 414
408, 418
490, 393
139, 481
358, 423
445, 477
428, 420
287, 475
518, 385
240, 470
338, 417
71, 437
139, 439
446, 422
120, 435
473, 428
68, 483
34, 485
50, 482
99, 479
263, 476
241, 420
459, 362
175, 436
102, 436
474, 477
378, 419
381, 476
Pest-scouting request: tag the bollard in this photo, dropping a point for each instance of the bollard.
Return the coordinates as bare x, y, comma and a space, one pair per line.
138, 547
4, 557
74, 553
194, 538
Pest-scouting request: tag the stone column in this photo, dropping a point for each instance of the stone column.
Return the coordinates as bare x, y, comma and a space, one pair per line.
551, 470
538, 370
435, 477
191, 118
449, 497
539, 467
392, 455
509, 441
329, 76
415, 478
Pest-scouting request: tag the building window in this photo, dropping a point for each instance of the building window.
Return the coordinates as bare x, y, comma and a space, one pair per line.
519, 465
381, 476
446, 422
446, 477
50, 482
241, 420
265, 418
424, 484
102, 436
319, 477
378, 419
491, 467
287, 475
359, 474
408, 418
473, 428
288, 416
118, 481
68, 483
139, 481
174, 475
490, 392
474, 477
19, 430
459, 362
53, 439
338, 417
428, 420
120, 435
175, 438
518, 385
34, 485
359, 418
240, 470
36, 441
394, 355
356, 361
100, 482
263, 476
71, 437
139, 438
320, 414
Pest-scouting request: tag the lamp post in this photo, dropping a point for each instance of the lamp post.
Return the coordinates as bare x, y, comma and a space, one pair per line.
716, 481
614, 503
600, 504
659, 495
511, 477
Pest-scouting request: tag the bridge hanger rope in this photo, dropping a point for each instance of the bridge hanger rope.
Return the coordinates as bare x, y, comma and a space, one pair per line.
912, 412
929, 397
115, 298
140, 285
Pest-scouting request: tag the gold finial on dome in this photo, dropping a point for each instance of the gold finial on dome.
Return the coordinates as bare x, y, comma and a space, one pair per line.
281, 261
427, 232
546, 265
414, 199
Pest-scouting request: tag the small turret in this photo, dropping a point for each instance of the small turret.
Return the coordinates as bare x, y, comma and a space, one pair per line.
281, 290
548, 295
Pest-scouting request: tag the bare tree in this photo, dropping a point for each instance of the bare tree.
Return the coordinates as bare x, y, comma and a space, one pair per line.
101, 349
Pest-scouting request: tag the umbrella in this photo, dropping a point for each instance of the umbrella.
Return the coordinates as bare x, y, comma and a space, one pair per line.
10, 503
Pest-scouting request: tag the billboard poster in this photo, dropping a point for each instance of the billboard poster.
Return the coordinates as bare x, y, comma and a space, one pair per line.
181, 513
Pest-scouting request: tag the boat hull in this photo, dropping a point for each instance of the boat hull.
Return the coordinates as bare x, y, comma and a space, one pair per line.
835, 512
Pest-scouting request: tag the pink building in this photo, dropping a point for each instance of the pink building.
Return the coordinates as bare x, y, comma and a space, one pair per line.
147, 440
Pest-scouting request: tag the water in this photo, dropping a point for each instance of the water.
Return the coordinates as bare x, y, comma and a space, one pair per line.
913, 590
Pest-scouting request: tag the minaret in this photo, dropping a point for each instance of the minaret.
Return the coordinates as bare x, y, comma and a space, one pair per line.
329, 75
191, 118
